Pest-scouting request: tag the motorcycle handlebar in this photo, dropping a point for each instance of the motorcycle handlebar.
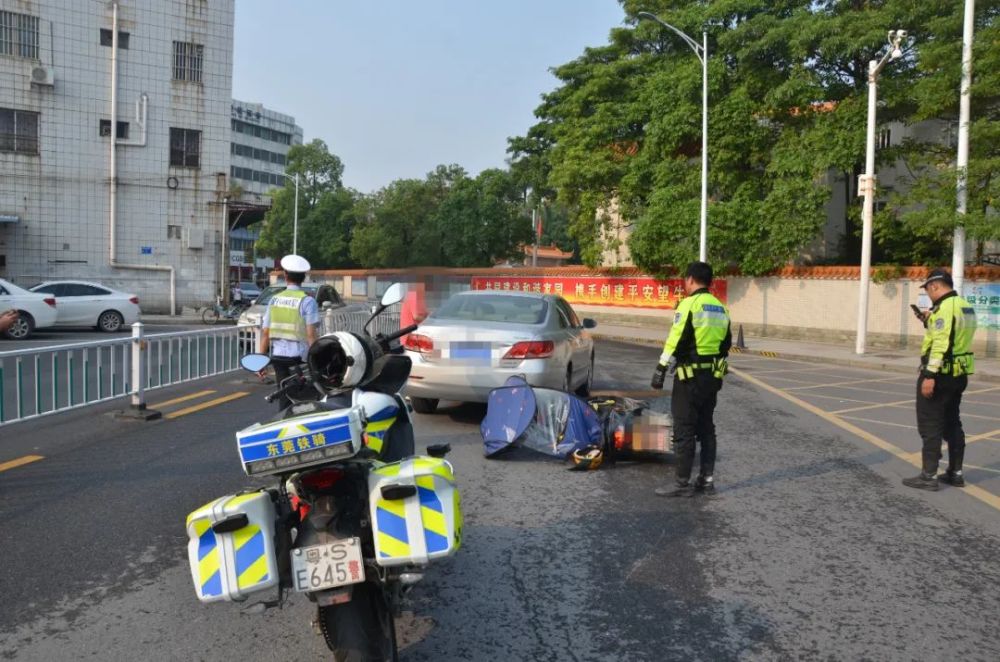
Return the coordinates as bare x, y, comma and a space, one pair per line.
294, 380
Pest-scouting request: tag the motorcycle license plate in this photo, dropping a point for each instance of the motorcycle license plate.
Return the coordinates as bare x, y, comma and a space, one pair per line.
332, 564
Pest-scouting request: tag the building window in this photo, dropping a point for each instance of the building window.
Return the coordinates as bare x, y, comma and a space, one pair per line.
19, 35
185, 148
18, 131
105, 129
173, 232
359, 287
122, 39
188, 61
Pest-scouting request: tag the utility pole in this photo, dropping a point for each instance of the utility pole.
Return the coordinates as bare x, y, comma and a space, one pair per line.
866, 184
295, 226
962, 160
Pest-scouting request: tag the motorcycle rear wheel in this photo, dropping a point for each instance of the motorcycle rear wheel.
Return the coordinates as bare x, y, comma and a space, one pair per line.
362, 630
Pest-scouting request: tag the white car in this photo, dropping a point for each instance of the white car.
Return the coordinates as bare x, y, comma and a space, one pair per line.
36, 310
476, 340
89, 304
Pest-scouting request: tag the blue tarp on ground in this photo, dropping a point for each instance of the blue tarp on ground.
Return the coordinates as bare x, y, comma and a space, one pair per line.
545, 420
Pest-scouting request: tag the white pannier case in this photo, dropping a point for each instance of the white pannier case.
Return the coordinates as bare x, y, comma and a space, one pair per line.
415, 511
231, 547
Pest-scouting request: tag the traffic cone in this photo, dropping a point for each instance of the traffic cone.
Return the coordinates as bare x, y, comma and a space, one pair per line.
739, 339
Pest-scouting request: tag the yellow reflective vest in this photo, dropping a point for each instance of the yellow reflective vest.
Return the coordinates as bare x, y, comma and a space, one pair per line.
286, 319
947, 346
700, 337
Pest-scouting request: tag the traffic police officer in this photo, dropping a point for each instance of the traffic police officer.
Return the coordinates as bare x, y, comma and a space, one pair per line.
289, 324
696, 353
945, 366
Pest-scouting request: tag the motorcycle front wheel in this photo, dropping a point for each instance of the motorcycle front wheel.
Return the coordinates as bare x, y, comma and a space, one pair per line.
362, 630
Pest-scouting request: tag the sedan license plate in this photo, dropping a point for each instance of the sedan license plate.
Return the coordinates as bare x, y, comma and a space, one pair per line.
332, 564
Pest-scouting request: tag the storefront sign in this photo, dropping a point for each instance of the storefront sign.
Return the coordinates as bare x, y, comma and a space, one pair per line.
237, 259
985, 298
625, 292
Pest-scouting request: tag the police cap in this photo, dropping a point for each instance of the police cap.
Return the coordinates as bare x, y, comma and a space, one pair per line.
941, 275
295, 264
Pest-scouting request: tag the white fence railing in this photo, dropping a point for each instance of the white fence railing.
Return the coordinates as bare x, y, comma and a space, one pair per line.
386, 323
47, 380
42, 381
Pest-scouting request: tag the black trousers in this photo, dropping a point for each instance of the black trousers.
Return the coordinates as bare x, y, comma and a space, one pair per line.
692, 404
938, 419
282, 369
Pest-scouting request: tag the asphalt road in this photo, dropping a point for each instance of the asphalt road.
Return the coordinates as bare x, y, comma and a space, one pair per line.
811, 550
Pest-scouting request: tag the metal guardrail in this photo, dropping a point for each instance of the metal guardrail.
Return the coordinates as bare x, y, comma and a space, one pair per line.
354, 321
42, 381
46, 380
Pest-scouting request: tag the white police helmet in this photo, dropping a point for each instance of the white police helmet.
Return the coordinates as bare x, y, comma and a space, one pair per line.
295, 264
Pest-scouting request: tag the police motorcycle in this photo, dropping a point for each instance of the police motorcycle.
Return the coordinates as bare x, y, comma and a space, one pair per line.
354, 518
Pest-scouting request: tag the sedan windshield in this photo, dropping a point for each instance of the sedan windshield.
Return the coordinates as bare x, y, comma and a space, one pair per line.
494, 308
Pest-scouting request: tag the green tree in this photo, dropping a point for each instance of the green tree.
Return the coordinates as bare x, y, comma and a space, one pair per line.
483, 220
788, 93
397, 225
918, 224
327, 211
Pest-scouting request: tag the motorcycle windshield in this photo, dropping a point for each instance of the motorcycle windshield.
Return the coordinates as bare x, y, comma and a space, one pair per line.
562, 424
509, 411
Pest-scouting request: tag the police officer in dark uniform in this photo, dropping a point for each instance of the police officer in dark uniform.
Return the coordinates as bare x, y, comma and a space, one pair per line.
945, 365
696, 353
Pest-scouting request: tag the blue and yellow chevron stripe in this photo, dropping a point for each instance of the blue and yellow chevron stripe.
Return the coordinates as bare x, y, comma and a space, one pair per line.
251, 552
440, 512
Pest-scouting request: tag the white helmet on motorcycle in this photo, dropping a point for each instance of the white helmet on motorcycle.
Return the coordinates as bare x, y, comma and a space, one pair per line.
338, 360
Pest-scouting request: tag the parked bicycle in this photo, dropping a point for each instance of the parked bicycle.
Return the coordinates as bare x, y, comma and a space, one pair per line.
214, 313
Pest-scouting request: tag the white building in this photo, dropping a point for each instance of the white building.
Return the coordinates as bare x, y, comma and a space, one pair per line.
261, 139
146, 216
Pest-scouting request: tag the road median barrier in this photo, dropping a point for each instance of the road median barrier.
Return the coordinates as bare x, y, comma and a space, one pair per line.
42, 381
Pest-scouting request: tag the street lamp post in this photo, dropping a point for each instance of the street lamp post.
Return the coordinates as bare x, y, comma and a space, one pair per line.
866, 184
295, 223
962, 158
701, 52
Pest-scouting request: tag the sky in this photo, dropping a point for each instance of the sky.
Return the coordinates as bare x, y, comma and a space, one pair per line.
397, 87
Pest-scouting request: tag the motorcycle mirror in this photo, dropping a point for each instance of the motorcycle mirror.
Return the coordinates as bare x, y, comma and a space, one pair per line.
255, 362
393, 294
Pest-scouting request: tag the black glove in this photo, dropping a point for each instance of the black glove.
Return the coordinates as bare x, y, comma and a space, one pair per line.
659, 375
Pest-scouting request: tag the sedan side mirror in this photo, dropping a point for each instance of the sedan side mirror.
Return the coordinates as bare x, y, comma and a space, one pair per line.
589, 323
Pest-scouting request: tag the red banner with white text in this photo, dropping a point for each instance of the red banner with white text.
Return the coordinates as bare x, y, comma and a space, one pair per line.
627, 292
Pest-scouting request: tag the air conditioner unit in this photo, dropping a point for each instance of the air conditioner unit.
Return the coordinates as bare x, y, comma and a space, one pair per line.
194, 238
43, 76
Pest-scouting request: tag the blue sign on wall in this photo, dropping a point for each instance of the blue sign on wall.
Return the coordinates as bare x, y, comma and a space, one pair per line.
985, 298
146, 250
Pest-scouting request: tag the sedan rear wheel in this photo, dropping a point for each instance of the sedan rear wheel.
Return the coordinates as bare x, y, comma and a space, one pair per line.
110, 321
21, 328
424, 405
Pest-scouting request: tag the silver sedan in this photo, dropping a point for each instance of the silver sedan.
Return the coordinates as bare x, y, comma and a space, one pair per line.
476, 340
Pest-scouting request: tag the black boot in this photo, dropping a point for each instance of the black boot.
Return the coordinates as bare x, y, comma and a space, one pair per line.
953, 477
924, 481
704, 485
683, 489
